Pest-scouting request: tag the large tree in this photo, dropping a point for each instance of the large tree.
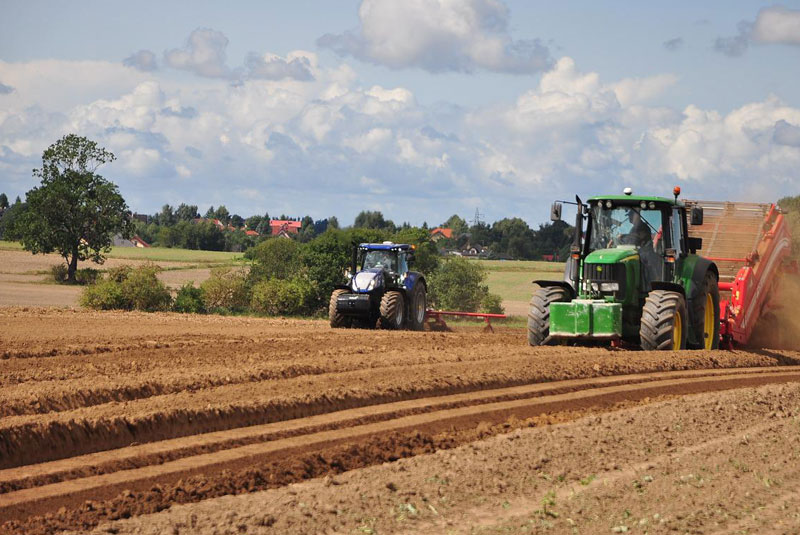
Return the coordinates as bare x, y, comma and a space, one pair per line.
75, 211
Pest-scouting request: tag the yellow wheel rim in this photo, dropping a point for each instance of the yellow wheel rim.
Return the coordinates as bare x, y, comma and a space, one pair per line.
677, 331
708, 326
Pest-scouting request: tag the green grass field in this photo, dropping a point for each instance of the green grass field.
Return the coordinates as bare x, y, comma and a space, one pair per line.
165, 254
157, 254
10, 246
512, 279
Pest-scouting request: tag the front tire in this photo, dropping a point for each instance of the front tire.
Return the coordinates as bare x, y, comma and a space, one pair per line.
419, 303
539, 313
664, 321
337, 319
706, 315
392, 307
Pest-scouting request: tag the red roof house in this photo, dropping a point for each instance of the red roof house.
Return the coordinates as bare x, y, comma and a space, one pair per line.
285, 227
439, 233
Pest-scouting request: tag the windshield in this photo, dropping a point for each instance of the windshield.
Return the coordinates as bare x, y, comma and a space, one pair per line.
382, 259
625, 227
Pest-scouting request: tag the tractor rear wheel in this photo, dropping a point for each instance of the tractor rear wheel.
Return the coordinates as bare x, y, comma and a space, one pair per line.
705, 322
419, 303
336, 318
392, 308
664, 321
539, 313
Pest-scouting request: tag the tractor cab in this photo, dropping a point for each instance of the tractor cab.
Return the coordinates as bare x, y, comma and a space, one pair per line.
647, 233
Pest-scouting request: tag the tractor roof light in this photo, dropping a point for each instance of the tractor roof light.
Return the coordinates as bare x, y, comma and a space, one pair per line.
627, 191
676, 191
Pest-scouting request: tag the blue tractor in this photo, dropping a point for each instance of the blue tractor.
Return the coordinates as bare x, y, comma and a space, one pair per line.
381, 290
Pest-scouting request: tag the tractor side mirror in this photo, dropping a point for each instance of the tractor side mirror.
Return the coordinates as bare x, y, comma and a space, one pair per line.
696, 216
694, 244
555, 212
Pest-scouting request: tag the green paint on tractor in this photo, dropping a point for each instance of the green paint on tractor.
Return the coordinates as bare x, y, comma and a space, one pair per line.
586, 318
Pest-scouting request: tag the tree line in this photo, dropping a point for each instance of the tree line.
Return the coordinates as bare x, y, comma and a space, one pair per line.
77, 213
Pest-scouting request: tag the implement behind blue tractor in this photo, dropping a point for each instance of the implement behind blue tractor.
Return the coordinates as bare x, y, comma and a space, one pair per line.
381, 290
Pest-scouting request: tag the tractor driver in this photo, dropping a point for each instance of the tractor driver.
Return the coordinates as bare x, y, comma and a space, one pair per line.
641, 237
639, 234
383, 259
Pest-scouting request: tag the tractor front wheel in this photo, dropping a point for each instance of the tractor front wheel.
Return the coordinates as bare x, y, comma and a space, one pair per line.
391, 311
664, 321
336, 318
539, 314
419, 303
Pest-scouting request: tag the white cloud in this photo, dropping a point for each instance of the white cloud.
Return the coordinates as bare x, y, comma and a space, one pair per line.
144, 60
632, 91
572, 132
61, 85
272, 67
777, 24
203, 54
439, 36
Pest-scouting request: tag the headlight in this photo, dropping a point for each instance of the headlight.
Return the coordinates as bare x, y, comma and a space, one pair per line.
609, 286
371, 284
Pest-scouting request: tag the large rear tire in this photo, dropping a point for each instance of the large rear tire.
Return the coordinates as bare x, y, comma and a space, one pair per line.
419, 303
539, 313
392, 311
337, 320
664, 321
705, 321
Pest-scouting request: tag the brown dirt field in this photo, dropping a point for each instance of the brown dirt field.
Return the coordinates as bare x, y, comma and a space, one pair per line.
22, 282
138, 412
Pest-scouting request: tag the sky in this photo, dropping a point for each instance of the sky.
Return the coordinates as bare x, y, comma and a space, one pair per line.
419, 109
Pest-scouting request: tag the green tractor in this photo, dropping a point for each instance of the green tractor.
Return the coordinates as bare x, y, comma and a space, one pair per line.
633, 279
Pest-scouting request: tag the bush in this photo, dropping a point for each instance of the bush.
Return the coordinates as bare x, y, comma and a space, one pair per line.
226, 290
189, 299
292, 297
128, 289
143, 291
458, 285
276, 258
86, 276
59, 272
119, 274
104, 295
492, 304
83, 276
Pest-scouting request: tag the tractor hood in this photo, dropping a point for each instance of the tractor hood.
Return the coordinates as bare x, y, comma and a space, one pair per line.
368, 280
612, 256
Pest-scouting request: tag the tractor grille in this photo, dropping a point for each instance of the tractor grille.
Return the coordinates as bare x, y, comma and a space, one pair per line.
606, 272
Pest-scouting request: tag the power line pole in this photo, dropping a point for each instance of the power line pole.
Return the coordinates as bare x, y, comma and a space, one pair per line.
477, 219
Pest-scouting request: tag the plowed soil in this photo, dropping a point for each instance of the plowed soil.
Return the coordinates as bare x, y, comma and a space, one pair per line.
106, 416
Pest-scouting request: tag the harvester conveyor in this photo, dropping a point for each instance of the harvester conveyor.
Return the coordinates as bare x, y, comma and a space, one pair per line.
749, 243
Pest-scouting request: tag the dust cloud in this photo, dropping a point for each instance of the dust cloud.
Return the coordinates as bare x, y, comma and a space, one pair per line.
779, 326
